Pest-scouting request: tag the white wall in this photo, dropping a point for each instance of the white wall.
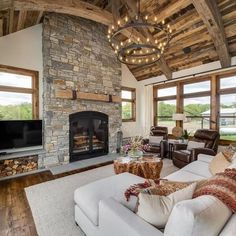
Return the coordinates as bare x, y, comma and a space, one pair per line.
23, 49
128, 80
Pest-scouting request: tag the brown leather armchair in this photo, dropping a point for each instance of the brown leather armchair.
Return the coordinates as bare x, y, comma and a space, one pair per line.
161, 148
182, 156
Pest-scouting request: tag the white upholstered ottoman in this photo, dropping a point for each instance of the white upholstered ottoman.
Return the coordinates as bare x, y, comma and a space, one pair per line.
87, 199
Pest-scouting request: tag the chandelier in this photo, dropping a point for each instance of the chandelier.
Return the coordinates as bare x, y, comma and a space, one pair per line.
140, 48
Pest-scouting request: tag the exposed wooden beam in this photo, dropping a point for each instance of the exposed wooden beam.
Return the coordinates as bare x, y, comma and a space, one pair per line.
21, 20
40, 15
5, 4
161, 63
1, 27
72, 7
11, 20
115, 10
210, 14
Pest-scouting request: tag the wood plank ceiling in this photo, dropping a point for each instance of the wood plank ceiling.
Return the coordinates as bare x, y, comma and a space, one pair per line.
203, 30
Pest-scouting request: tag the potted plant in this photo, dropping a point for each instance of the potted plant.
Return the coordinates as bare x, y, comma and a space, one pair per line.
185, 136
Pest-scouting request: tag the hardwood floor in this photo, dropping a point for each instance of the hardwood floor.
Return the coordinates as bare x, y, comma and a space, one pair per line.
15, 214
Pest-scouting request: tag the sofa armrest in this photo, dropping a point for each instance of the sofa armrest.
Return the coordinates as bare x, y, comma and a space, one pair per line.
197, 151
117, 220
180, 146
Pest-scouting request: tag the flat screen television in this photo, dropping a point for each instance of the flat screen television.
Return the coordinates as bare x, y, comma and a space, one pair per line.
20, 135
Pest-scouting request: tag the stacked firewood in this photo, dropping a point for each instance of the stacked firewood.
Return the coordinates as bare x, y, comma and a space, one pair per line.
16, 166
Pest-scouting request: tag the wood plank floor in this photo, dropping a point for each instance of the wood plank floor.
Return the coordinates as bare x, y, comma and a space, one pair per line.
15, 214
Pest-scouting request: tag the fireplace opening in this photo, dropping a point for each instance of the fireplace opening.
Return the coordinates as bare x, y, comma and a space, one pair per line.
88, 135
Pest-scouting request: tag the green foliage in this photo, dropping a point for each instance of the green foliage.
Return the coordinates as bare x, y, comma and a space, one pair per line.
16, 112
126, 110
196, 109
166, 109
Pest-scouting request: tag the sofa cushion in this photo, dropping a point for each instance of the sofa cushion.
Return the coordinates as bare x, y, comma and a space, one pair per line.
156, 209
218, 164
229, 152
230, 227
155, 140
199, 168
205, 216
204, 158
87, 197
184, 176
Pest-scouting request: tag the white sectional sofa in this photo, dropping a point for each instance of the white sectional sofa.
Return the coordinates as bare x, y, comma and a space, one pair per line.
102, 210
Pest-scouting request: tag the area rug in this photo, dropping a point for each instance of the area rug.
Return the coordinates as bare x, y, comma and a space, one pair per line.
52, 202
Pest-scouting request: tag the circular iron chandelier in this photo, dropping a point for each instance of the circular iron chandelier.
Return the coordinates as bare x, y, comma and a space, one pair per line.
141, 50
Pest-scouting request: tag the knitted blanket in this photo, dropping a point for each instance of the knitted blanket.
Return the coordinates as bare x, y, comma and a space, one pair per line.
222, 186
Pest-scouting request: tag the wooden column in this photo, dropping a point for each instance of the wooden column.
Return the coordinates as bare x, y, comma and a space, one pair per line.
179, 103
215, 103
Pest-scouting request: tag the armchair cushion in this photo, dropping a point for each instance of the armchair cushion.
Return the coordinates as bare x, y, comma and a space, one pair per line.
155, 140
192, 145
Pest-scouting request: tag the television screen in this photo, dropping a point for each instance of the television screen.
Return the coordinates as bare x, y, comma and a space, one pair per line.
16, 134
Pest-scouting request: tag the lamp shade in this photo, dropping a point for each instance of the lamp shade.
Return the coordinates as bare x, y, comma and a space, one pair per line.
178, 116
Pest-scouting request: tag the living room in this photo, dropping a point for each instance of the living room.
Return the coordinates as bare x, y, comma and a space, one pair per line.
117, 117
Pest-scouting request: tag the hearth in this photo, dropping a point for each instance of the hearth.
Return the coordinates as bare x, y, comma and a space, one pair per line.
88, 135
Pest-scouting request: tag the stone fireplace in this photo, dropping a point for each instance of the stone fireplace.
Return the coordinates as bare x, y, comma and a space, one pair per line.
81, 73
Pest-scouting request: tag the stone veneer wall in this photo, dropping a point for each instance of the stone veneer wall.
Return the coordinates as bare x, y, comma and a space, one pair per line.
76, 56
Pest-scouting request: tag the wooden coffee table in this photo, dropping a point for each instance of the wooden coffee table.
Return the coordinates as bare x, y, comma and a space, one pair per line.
146, 167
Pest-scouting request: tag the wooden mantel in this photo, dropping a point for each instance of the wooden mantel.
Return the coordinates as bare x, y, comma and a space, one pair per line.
73, 95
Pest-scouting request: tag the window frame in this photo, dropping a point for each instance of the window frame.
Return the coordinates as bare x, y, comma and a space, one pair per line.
34, 91
133, 103
214, 94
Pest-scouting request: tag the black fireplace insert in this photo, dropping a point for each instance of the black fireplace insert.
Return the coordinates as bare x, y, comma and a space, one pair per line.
88, 135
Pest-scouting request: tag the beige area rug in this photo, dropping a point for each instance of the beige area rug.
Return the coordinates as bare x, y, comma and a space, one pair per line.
52, 203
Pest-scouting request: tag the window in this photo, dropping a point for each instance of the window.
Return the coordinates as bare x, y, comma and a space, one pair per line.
165, 110
18, 94
227, 120
128, 104
197, 111
165, 100
166, 92
197, 87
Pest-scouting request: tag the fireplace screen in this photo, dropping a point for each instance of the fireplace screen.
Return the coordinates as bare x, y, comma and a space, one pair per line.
88, 135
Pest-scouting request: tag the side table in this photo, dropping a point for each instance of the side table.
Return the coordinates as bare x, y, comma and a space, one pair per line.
171, 143
146, 167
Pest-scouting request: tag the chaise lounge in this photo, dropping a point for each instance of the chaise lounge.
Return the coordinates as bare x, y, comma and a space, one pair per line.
101, 208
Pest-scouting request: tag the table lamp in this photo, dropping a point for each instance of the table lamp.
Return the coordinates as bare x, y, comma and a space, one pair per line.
178, 131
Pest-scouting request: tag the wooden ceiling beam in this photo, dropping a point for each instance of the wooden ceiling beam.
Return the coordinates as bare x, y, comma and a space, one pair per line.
11, 20
72, 7
1, 27
21, 20
210, 14
161, 63
40, 15
5, 4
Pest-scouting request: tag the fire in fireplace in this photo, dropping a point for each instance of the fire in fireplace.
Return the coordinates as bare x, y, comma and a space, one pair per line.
88, 135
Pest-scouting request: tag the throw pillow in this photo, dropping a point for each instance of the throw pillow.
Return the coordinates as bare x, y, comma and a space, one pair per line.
155, 140
218, 163
192, 144
156, 209
229, 152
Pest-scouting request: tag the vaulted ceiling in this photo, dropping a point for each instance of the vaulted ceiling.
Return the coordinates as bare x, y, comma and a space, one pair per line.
203, 30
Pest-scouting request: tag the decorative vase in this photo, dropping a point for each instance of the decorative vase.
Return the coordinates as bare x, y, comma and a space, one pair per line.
135, 154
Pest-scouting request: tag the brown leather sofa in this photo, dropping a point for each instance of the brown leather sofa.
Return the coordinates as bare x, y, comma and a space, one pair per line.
162, 148
182, 156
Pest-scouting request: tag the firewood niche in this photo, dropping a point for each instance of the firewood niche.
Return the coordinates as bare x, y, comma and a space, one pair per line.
73, 95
